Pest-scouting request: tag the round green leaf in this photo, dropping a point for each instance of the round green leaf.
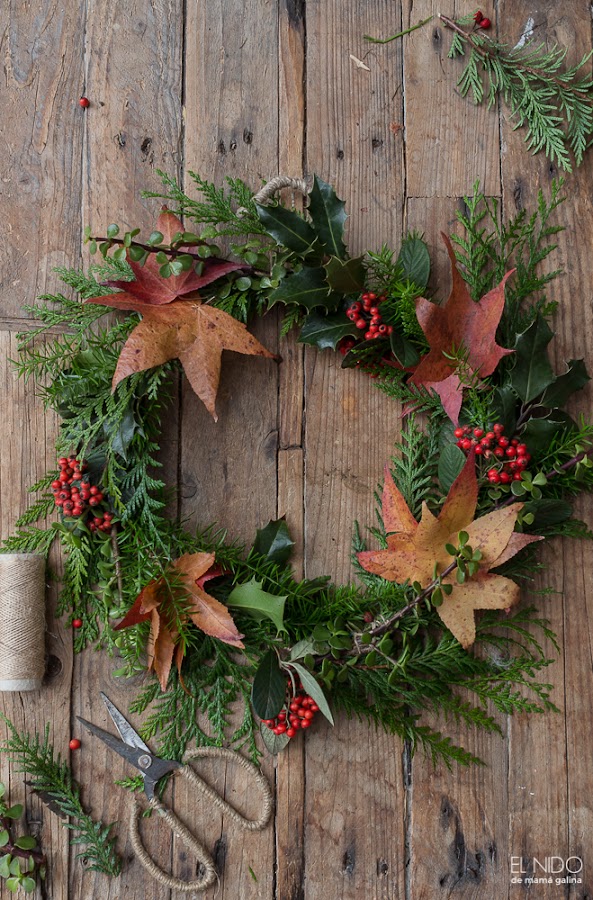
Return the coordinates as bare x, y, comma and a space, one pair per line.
26, 842
112, 230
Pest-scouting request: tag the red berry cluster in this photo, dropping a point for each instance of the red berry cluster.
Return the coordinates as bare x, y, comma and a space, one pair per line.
73, 491
300, 714
481, 20
511, 452
367, 316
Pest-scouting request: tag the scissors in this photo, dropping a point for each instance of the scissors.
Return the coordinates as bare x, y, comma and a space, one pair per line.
133, 749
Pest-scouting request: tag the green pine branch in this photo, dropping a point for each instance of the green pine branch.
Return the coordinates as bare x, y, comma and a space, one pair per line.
554, 103
50, 776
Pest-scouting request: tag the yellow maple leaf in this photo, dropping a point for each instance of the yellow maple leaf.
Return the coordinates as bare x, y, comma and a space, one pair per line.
414, 547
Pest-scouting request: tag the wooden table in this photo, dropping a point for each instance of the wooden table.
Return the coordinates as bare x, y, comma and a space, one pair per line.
250, 90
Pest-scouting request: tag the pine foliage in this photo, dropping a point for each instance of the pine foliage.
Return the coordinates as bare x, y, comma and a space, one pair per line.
51, 777
552, 101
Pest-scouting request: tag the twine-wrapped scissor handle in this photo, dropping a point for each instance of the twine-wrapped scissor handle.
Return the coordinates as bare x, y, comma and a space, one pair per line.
273, 186
190, 840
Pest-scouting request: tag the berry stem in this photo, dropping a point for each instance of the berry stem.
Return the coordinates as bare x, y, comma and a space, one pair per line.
386, 626
491, 53
394, 37
117, 564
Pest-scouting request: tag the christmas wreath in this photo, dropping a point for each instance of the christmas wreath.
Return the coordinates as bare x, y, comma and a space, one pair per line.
433, 618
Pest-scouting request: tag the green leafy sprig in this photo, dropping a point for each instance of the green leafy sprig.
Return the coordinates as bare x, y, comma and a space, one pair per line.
50, 776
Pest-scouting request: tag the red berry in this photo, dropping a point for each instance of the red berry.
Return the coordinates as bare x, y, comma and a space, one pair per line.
77, 623
375, 311
355, 307
281, 716
293, 706
492, 472
478, 16
478, 432
74, 744
352, 315
479, 450
84, 102
94, 502
309, 714
305, 723
62, 461
390, 329
63, 478
280, 728
490, 436
383, 329
376, 320
290, 732
511, 452
506, 477
458, 432
484, 23
56, 485
360, 323
503, 442
498, 428
94, 489
372, 296
314, 707
517, 476
499, 452
466, 444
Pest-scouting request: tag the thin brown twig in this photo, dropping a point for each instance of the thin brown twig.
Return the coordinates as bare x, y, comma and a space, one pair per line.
117, 564
386, 626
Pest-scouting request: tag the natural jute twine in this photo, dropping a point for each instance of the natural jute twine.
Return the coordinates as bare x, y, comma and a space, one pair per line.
276, 184
22, 621
208, 875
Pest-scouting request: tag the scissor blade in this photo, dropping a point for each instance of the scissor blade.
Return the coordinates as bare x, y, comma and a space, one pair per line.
128, 735
114, 743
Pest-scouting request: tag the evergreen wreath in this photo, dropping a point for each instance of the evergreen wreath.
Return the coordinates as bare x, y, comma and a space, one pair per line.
469, 490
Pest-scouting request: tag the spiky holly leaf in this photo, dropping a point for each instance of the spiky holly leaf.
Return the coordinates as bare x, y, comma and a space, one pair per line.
416, 547
459, 326
328, 215
151, 288
187, 330
172, 600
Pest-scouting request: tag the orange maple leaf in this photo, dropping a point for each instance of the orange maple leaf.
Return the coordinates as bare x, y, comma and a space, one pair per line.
414, 549
176, 324
155, 602
459, 325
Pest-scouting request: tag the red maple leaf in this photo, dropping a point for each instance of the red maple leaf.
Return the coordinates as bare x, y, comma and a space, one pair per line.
461, 325
151, 288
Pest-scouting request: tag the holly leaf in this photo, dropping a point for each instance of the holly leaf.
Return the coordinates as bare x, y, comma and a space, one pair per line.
460, 325
417, 547
307, 288
190, 331
505, 408
575, 378
532, 372
258, 603
170, 602
414, 261
287, 228
274, 541
538, 434
268, 690
150, 287
325, 332
328, 216
547, 512
345, 276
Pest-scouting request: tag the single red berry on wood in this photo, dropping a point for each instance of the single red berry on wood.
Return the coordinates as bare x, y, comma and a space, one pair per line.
77, 623
74, 744
84, 102
484, 23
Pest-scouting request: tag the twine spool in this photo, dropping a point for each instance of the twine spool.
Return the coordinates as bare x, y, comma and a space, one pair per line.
22, 621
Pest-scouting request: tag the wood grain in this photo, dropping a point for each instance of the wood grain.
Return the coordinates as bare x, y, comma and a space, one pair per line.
354, 805
449, 142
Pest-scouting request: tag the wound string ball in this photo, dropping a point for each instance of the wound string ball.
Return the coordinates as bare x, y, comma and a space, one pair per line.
22, 621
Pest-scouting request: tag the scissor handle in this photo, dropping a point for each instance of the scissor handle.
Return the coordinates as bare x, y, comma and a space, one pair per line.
178, 828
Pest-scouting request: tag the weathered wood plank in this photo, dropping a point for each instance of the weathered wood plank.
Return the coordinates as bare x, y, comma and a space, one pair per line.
39, 169
354, 804
228, 469
548, 767
134, 125
449, 141
458, 820
28, 438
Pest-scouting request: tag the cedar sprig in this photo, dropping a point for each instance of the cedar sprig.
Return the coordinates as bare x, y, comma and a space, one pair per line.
553, 102
50, 776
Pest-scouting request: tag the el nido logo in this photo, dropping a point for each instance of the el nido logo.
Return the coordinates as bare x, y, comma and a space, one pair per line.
547, 870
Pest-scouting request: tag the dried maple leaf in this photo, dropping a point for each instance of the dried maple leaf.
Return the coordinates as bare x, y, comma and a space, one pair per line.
156, 603
459, 325
151, 288
176, 324
412, 552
